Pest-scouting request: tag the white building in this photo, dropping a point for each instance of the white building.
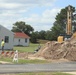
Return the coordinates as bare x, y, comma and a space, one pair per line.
21, 39
8, 37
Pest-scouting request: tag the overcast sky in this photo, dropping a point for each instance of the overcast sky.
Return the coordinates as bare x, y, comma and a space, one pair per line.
40, 14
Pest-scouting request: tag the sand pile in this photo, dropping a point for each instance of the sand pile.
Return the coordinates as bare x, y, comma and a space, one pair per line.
55, 50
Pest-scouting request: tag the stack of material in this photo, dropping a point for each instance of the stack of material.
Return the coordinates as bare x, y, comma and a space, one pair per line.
55, 50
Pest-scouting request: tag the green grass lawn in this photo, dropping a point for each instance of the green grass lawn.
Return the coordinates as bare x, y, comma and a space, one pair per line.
30, 48
24, 61
43, 73
35, 61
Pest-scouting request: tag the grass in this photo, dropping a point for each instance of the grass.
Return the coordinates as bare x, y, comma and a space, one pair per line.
61, 74
24, 61
42, 41
43, 73
30, 48
35, 61
6, 59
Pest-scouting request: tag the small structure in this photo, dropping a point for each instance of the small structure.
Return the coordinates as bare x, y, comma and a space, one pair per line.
7, 36
15, 58
21, 39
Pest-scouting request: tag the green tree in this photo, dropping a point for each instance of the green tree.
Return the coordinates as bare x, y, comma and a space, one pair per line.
22, 27
59, 26
48, 35
33, 37
37, 34
42, 34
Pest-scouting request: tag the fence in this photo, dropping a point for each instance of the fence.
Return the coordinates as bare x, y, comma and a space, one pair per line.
7, 53
11, 54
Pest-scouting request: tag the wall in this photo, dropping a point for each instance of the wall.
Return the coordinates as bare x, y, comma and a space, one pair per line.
5, 32
22, 41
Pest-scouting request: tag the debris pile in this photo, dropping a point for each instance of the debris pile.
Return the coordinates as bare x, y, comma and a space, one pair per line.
55, 50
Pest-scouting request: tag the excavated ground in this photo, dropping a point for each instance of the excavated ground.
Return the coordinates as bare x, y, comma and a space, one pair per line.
55, 51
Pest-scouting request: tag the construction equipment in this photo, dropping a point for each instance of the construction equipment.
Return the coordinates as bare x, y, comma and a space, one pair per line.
69, 21
69, 27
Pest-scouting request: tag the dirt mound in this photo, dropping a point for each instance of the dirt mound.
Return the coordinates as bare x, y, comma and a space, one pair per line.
55, 50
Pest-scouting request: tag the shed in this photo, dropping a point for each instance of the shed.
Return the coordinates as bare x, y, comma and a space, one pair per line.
21, 39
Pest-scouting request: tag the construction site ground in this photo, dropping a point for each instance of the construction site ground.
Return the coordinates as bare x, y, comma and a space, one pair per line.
54, 51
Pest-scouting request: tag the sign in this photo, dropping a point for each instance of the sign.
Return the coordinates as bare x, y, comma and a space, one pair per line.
15, 58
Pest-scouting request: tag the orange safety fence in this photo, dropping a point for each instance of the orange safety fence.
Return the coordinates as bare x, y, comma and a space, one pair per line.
8, 53
11, 54
2, 52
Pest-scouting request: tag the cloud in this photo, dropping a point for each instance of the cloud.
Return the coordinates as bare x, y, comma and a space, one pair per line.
18, 10
29, 1
43, 21
24, 3
21, 6
9, 5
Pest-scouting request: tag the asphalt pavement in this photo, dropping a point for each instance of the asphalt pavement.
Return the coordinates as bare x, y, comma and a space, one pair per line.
51, 67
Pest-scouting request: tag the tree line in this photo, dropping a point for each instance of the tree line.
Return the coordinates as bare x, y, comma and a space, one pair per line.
58, 28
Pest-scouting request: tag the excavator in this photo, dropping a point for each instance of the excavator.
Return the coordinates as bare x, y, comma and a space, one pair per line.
69, 27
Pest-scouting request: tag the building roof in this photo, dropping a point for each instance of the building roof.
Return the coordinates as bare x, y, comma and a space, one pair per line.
20, 35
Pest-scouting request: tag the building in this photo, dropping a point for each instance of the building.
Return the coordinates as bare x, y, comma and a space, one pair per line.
8, 37
21, 39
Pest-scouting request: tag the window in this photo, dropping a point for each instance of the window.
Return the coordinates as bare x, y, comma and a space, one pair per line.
69, 17
19, 40
6, 39
26, 40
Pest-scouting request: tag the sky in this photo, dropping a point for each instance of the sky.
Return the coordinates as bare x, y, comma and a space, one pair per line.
40, 14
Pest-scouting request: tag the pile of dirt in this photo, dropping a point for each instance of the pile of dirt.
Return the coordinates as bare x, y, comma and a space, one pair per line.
54, 50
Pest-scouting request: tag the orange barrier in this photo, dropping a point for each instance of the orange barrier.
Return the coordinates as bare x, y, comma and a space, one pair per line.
8, 53
2, 52
12, 53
